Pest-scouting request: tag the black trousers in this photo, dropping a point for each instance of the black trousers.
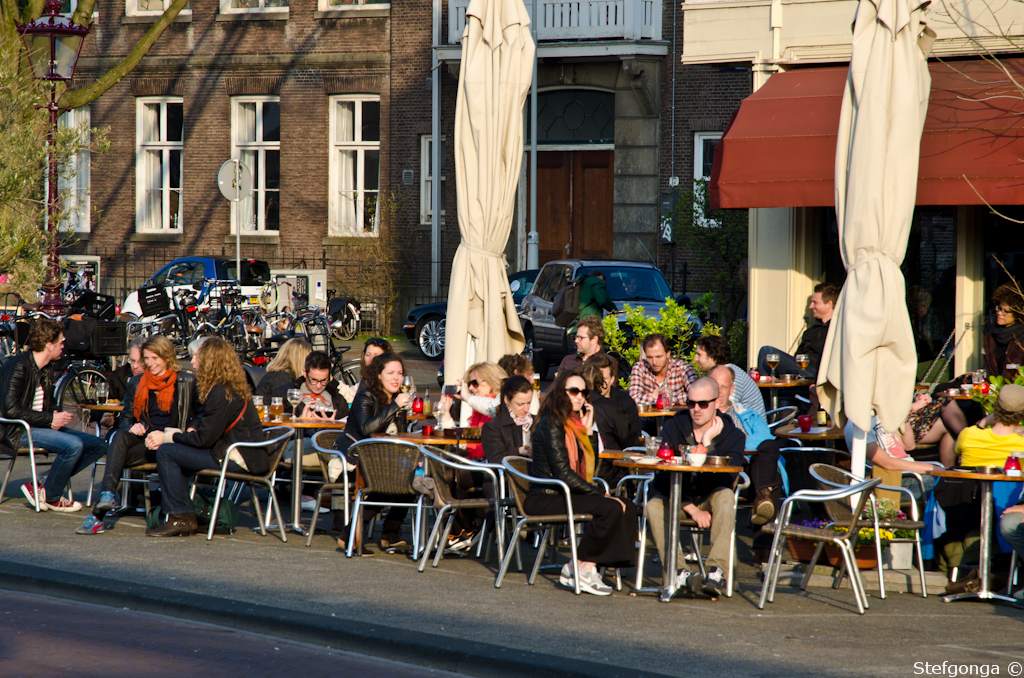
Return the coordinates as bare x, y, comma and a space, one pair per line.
127, 449
610, 538
392, 528
764, 466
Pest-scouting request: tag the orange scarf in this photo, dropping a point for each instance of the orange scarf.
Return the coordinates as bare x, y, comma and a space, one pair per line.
164, 387
575, 436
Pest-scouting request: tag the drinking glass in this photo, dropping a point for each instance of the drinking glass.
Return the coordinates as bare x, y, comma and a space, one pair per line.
773, 361
101, 392
802, 361
408, 386
978, 378
276, 408
257, 402
536, 381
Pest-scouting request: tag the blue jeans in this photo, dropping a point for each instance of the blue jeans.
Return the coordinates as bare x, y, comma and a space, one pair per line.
910, 482
76, 451
1011, 526
174, 463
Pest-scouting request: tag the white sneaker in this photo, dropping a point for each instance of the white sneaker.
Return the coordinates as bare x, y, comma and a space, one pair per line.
688, 581
1018, 595
592, 584
565, 576
310, 504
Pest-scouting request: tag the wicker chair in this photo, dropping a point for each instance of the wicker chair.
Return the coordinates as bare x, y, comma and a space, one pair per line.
437, 465
783, 528
779, 416
799, 460
275, 438
830, 477
690, 526
323, 443
388, 466
30, 451
520, 482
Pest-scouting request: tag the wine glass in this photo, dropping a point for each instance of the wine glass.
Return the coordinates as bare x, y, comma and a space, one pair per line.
408, 386
802, 361
294, 398
772, 359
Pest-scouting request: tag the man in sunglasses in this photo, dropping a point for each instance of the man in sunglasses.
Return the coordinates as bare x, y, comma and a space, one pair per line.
707, 498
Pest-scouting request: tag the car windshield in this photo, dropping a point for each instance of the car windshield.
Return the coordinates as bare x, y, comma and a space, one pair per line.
525, 285
253, 272
632, 283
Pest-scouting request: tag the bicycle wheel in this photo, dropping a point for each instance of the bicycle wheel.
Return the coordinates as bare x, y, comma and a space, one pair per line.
79, 385
347, 373
318, 332
349, 324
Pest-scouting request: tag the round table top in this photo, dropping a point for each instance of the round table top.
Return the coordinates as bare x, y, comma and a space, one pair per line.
667, 412
778, 383
419, 438
306, 423
624, 463
793, 431
102, 407
973, 475
611, 454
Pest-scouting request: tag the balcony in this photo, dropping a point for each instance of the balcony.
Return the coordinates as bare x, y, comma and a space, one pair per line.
573, 20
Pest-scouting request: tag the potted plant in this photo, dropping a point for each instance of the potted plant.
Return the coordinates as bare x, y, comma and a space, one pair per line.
802, 550
864, 549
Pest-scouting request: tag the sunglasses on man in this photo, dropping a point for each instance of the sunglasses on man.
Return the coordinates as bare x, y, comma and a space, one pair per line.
701, 404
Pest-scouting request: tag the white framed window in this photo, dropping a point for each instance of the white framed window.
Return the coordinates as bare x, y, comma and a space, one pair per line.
703, 158
256, 141
354, 173
152, 8
427, 178
74, 179
334, 5
68, 7
252, 6
159, 133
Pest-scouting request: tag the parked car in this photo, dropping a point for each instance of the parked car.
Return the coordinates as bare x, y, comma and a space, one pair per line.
186, 271
629, 282
425, 324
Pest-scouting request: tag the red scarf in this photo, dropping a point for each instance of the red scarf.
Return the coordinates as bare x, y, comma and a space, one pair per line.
581, 452
164, 387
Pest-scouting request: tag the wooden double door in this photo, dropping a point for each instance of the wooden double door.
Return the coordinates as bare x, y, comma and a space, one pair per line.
574, 204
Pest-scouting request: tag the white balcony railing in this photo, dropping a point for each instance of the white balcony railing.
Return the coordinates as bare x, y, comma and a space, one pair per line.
579, 19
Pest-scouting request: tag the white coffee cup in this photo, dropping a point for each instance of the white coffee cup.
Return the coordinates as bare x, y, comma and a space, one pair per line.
696, 459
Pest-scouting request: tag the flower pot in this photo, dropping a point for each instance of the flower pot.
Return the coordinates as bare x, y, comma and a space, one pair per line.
801, 549
899, 555
867, 557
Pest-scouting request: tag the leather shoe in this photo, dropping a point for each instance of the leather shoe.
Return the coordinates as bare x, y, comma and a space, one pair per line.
177, 525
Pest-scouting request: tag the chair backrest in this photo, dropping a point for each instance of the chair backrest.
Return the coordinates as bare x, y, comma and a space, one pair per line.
830, 478
799, 459
388, 465
327, 438
440, 476
779, 416
862, 488
520, 485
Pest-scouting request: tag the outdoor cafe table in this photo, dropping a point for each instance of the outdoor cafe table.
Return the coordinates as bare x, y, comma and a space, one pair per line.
114, 408
984, 565
298, 425
420, 439
775, 384
818, 434
660, 415
668, 590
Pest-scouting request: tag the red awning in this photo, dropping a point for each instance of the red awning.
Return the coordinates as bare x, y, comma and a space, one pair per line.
780, 147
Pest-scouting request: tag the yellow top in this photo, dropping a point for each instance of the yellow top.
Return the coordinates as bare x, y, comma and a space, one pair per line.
982, 447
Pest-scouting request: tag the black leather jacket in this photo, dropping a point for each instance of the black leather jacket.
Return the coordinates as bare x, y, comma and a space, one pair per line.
185, 401
501, 437
551, 460
211, 429
366, 417
19, 377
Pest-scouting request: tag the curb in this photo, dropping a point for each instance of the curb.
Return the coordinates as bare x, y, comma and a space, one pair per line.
376, 640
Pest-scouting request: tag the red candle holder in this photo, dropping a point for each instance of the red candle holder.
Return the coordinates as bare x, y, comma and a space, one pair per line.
417, 405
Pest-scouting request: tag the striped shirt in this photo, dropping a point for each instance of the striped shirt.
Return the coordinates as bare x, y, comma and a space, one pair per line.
745, 391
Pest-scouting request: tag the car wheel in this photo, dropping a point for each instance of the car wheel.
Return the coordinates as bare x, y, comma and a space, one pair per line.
430, 337
540, 364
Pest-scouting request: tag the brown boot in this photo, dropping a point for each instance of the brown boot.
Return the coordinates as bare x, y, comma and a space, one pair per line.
178, 524
764, 508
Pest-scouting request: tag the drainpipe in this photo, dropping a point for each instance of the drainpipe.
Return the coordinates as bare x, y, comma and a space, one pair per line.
435, 161
533, 238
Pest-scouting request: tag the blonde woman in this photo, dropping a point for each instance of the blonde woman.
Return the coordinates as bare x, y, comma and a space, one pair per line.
228, 416
286, 367
161, 397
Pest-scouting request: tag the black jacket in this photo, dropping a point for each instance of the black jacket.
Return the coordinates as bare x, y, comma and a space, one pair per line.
270, 381
118, 380
210, 434
617, 419
813, 343
502, 437
340, 404
551, 460
182, 407
19, 377
698, 486
366, 417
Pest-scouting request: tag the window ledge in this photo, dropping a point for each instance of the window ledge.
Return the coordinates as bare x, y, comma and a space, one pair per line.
353, 13
155, 237
276, 15
268, 239
346, 239
152, 19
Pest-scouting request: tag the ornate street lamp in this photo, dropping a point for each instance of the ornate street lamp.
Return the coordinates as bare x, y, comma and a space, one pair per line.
53, 43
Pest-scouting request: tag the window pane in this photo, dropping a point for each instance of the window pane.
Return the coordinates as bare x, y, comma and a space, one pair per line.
709, 156
249, 160
245, 3
347, 171
369, 211
371, 170
271, 121
244, 212
347, 211
175, 122
277, 3
247, 122
273, 173
175, 169
272, 218
66, 7
154, 172
371, 121
177, 204
151, 122
151, 5
346, 116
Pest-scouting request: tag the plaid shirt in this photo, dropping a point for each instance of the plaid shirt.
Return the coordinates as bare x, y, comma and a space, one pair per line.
644, 388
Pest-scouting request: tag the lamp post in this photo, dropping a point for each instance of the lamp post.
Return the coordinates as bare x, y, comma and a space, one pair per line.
53, 43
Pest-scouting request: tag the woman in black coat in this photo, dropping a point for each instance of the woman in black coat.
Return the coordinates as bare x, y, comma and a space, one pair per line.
228, 417
509, 433
564, 448
373, 411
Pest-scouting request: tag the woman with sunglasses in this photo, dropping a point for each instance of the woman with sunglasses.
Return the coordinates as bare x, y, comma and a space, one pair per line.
373, 347
480, 391
565, 448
